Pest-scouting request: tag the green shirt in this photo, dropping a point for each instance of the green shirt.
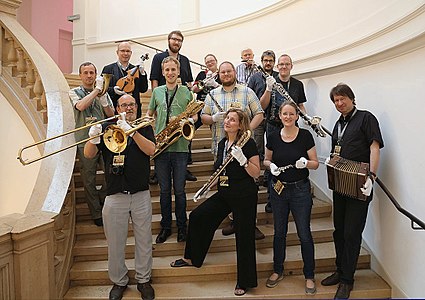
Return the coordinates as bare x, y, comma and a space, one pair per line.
158, 104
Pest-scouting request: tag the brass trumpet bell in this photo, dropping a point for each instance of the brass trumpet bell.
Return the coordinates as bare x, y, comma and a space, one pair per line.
106, 79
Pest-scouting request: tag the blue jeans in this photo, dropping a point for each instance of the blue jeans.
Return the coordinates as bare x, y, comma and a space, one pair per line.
172, 165
295, 198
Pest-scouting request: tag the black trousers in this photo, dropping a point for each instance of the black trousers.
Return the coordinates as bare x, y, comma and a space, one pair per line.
349, 216
207, 217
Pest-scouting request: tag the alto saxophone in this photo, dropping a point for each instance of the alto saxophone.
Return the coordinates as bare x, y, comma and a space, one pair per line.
179, 126
241, 142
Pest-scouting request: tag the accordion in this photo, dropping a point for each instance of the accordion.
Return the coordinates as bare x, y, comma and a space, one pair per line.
347, 176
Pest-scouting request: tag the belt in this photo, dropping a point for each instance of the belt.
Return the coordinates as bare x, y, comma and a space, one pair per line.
129, 192
305, 180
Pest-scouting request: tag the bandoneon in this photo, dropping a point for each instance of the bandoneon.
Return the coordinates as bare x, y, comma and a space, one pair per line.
347, 176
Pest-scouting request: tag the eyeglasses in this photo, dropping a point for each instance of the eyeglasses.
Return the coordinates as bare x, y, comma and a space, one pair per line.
125, 105
268, 61
176, 40
284, 65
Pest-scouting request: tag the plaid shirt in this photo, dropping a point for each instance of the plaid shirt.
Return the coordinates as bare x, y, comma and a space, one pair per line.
244, 73
241, 97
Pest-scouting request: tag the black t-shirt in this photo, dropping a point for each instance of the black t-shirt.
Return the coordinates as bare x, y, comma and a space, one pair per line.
238, 177
362, 129
285, 154
156, 69
135, 175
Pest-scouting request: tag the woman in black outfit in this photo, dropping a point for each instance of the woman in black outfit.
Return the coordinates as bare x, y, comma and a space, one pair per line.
236, 193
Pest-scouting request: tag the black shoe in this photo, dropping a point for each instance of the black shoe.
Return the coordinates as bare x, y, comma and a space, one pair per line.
229, 229
190, 176
343, 291
116, 292
98, 222
258, 234
146, 290
153, 179
331, 279
268, 208
181, 235
163, 235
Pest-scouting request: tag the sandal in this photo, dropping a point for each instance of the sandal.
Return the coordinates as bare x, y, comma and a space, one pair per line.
180, 263
240, 291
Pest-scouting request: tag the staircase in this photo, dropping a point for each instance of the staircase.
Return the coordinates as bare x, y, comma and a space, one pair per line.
217, 277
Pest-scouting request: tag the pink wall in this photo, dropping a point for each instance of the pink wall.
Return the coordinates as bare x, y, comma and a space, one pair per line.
46, 21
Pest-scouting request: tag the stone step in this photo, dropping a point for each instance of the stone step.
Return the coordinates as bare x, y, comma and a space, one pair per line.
96, 249
88, 230
217, 266
368, 285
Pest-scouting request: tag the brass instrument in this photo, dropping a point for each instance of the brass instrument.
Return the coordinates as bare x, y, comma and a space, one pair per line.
201, 83
179, 126
113, 137
313, 122
106, 79
241, 142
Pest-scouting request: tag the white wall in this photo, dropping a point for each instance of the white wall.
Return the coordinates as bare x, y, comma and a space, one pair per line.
16, 181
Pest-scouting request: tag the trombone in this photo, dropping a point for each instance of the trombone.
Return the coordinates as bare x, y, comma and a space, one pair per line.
114, 137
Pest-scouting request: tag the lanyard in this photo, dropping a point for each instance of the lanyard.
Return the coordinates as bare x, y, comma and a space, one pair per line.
169, 101
341, 129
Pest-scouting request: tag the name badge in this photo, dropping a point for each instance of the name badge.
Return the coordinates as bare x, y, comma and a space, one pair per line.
235, 105
118, 160
278, 187
337, 149
224, 181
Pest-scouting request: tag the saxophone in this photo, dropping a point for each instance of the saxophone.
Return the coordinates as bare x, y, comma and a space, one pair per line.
241, 142
179, 126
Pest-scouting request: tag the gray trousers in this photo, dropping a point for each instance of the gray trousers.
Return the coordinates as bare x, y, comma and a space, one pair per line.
117, 211
88, 168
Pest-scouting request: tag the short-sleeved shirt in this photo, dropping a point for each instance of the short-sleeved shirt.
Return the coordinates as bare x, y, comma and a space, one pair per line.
179, 103
156, 69
93, 113
362, 128
241, 97
243, 73
135, 175
295, 89
285, 154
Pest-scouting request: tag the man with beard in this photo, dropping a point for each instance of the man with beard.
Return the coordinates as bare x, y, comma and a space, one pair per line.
119, 69
175, 42
230, 94
128, 196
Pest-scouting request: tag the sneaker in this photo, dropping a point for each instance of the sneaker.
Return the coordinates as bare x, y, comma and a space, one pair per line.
271, 283
310, 290
190, 176
146, 290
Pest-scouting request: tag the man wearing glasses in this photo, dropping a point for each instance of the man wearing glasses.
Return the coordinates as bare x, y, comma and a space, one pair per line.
128, 196
271, 99
175, 42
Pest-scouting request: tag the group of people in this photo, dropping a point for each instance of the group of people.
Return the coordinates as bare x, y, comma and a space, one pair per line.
237, 100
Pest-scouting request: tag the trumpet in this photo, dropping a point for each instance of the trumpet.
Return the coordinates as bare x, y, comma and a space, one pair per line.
106, 79
201, 83
114, 138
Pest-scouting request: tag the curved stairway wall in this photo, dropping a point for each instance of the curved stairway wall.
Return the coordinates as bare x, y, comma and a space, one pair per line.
377, 47
35, 242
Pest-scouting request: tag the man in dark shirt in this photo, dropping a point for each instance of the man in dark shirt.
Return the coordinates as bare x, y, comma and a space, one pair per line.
356, 136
